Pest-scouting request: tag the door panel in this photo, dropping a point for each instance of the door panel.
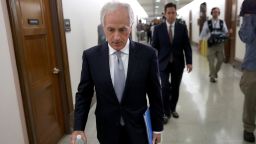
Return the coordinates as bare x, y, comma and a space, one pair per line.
36, 53
31, 9
37, 58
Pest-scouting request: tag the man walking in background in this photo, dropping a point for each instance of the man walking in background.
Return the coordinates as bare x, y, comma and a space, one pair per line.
215, 31
171, 40
139, 31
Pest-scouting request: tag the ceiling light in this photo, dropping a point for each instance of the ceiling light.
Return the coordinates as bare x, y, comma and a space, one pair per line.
158, 0
156, 7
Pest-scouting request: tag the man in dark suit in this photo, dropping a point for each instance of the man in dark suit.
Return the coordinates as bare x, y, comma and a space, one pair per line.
171, 40
122, 72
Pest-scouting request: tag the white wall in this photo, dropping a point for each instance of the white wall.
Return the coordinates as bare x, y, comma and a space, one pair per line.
195, 8
240, 46
84, 17
12, 121
184, 15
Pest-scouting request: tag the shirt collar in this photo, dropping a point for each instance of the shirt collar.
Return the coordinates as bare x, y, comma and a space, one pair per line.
215, 20
124, 50
168, 24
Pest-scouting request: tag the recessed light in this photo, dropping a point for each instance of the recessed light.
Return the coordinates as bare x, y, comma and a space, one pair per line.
157, 7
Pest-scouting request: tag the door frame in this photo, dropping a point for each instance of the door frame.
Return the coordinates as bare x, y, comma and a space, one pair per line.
190, 24
230, 19
62, 58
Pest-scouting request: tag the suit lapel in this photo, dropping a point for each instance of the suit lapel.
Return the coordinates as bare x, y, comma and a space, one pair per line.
165, 30
106, 69
165, 33
131, 67
175, 32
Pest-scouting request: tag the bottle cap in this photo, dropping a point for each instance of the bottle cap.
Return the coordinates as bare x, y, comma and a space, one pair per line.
78, 136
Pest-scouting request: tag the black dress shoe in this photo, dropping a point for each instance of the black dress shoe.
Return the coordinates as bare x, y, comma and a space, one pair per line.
249, 136
166, 119
175, 115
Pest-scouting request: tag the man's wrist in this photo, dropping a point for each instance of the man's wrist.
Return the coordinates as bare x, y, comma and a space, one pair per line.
157, 132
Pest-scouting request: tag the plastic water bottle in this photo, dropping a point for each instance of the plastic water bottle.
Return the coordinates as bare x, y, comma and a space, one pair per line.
79, 140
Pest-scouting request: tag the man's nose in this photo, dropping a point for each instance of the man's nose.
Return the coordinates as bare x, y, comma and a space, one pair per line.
116, 35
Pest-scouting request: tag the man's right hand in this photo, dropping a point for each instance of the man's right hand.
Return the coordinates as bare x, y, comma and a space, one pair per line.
156, 138
74, 134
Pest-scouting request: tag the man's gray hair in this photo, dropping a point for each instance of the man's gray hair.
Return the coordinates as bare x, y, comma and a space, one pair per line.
112, 6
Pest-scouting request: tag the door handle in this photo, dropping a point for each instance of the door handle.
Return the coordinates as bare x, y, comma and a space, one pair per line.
56, 71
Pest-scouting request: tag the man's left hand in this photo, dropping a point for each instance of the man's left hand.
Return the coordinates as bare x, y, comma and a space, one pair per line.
189, 68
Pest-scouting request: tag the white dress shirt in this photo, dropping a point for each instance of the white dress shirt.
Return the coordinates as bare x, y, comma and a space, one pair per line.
124, 57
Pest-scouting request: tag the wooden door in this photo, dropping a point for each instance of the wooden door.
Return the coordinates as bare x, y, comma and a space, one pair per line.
35, 49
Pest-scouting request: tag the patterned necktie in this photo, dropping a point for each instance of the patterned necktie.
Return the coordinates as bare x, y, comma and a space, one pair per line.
119, 76
170, 34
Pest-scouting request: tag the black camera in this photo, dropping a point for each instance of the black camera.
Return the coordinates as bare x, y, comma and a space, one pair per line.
216, 39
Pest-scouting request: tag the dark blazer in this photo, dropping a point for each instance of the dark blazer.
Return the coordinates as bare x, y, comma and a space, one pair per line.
142, 78
180, 45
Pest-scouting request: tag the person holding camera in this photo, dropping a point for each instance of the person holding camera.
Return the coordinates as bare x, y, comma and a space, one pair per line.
216, 32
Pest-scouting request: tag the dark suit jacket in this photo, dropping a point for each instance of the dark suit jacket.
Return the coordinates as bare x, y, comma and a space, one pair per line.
142, 78
180, 45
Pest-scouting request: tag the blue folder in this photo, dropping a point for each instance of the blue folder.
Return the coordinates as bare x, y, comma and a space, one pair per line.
147, 120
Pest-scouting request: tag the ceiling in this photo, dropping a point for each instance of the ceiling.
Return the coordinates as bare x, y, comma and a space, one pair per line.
154, 8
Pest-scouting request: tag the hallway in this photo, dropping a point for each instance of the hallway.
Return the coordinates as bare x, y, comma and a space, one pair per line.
210, 113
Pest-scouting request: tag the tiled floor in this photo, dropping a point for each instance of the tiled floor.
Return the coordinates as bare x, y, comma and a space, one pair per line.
210, 113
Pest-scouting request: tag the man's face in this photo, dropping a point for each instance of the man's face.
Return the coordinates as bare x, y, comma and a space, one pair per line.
117, 28
170, 14
216, 13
